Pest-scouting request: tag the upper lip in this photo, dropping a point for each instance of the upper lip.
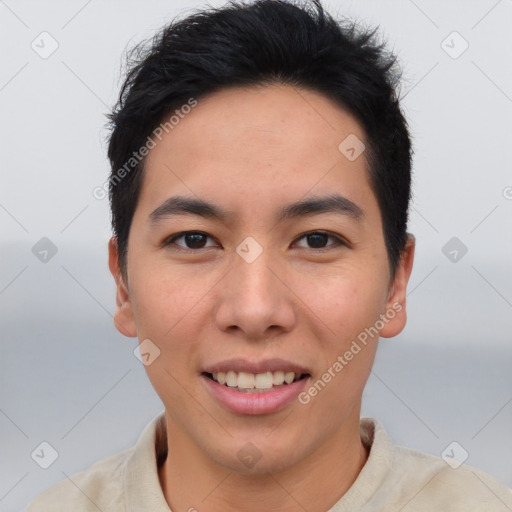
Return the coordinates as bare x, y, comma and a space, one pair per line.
268, 365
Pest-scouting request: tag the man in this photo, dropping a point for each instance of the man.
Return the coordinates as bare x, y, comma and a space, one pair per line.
259, 191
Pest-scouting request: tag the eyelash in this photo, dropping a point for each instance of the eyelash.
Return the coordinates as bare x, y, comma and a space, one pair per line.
338, 241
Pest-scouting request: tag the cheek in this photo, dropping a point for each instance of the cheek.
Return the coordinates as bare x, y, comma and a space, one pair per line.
344, 302
348, 347
166, 298
167, 306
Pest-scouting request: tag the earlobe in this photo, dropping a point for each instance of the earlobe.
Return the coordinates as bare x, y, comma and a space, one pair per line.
123, 316
396, 314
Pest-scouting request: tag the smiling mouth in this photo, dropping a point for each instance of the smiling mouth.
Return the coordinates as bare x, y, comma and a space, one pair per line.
255, 382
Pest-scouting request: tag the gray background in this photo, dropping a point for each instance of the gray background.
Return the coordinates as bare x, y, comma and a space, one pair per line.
68, 378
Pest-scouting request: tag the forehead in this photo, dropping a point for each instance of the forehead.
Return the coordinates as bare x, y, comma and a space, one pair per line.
276, 143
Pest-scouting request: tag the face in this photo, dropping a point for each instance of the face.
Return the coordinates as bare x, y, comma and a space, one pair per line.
256, 254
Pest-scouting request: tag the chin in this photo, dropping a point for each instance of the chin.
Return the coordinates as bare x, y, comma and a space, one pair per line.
257, 458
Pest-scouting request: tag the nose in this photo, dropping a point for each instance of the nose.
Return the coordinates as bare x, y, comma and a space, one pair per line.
255, 302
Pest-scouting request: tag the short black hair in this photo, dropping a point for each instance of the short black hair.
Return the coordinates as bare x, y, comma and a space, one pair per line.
257, 43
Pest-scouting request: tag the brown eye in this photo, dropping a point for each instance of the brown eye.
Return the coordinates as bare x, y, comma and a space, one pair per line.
190, 240
319, 240
194, 240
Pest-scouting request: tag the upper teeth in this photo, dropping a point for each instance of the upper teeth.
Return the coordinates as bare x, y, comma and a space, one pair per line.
245, 380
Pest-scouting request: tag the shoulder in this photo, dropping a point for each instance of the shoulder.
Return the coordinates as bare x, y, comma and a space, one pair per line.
98, 487
431, 483
399, 478
125, 479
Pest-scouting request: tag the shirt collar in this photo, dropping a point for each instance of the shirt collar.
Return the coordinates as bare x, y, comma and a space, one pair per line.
374, 472
142, 489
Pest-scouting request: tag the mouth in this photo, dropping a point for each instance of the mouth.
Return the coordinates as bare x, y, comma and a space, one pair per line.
244, 382
244, 386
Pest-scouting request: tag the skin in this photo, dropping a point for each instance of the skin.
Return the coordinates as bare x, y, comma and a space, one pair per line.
251, 151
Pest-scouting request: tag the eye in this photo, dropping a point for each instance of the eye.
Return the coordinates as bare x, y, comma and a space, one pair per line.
190, 240
319, 240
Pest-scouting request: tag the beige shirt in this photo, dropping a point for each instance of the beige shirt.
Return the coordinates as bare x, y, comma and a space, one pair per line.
393, 479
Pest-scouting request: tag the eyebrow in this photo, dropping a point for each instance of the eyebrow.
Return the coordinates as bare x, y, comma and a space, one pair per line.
333, 203
180, 205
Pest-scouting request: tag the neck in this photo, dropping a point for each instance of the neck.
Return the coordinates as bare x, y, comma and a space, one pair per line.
193, 482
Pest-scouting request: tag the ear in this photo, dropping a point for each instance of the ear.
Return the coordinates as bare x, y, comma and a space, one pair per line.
396, 304
123, 317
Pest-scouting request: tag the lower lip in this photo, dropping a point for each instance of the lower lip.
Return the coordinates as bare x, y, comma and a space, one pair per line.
255, 403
